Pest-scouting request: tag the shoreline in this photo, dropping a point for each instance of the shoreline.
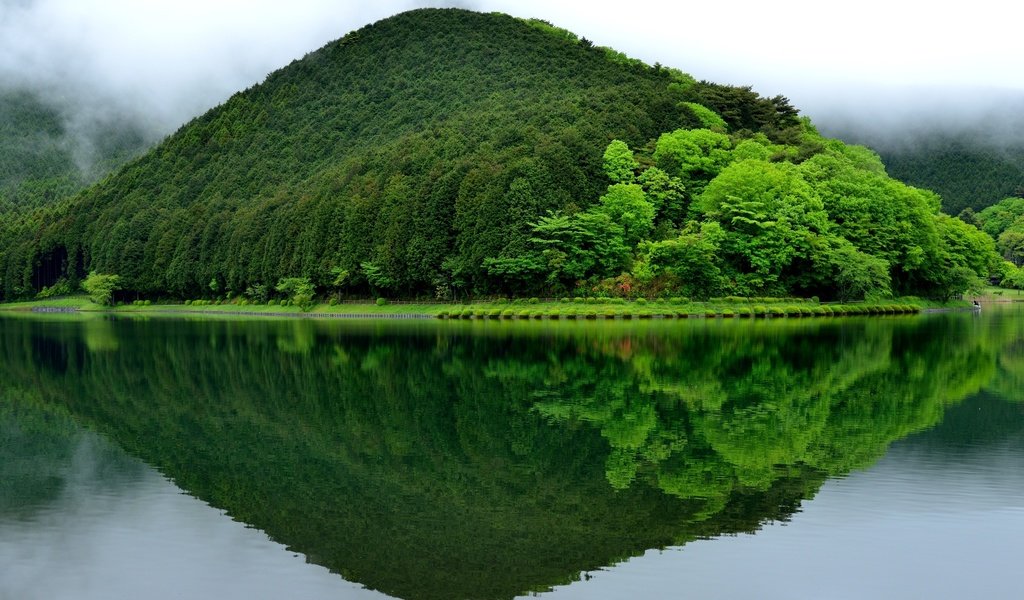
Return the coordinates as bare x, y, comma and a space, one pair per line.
577, 309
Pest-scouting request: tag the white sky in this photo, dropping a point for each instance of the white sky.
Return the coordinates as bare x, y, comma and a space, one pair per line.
173, 59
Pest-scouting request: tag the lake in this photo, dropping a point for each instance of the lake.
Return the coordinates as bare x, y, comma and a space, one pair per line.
840, 458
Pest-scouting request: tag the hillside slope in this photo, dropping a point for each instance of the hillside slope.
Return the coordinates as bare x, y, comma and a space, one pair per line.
966, 175
973, 167
42, 162
448, 152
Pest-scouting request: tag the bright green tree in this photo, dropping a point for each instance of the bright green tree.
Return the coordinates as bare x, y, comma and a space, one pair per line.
101, 287
693, 155
619, 164
299, 290
627, 205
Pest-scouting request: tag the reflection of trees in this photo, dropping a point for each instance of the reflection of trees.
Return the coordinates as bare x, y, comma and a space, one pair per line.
701, 416
430, 462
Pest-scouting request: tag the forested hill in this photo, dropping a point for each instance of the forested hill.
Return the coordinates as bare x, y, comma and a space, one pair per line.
965, 174
41, 161
448, 152
969, 169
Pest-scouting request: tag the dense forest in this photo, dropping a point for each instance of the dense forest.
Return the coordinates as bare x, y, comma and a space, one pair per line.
971, 169
42, 160
447, 153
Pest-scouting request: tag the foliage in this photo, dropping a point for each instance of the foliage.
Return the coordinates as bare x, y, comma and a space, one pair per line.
969, 169
101, 287
299, 291
43, 160
619, 164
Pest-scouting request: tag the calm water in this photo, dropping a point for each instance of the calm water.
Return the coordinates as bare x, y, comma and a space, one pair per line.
844, 458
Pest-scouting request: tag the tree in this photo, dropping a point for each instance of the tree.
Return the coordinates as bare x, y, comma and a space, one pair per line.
619, 164
857, 275
299, 290
771, 217
627, 205
692, 260
694, 155
101, 287
578, 246
708, 118
666, 193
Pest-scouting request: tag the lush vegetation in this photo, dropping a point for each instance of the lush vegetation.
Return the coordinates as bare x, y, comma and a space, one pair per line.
455, 461
446, 153
43, 162
971, 169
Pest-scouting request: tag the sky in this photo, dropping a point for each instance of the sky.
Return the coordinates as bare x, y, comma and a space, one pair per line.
873, 63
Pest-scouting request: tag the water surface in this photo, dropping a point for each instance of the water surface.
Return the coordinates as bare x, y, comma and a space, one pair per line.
838, 458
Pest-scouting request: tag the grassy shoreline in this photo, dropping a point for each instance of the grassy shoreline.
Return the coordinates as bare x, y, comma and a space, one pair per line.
569, 309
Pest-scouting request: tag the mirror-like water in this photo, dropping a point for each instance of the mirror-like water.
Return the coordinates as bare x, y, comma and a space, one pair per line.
842, 458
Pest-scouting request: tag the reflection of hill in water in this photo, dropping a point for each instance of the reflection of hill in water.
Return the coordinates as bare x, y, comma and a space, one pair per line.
442, 461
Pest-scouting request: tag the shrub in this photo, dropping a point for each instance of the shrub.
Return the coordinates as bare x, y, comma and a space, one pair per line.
760, 310
523, 314
334, 302
610, 314
776, 311
299, 290
564, 300
499, 301
578, 300
641, 301
494, 313
744, 312
534, 300
508, 313
382, 301
728, 314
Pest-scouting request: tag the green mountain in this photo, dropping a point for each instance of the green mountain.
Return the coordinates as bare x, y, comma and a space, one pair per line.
967, 169
41, 162
446, 152
965, 175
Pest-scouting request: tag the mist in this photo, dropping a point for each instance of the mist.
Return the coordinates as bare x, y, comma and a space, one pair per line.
883, 72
